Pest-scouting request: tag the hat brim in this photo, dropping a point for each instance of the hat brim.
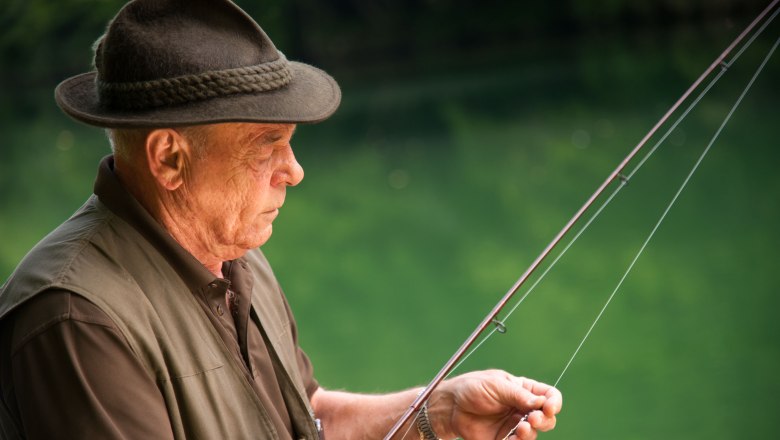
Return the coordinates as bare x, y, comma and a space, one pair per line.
310, 97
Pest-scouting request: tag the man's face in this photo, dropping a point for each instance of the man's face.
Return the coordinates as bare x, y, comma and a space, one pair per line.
238, 183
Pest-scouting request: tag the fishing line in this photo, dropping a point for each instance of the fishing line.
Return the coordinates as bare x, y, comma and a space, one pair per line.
500, 325
660, 220
669, 206
596, 214
456, 359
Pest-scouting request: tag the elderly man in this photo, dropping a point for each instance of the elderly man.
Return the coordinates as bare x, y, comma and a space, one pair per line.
151, 313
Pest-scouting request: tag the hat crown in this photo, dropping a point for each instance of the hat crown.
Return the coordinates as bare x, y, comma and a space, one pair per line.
157, 39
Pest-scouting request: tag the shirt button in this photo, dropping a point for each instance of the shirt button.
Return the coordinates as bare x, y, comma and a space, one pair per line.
219, 309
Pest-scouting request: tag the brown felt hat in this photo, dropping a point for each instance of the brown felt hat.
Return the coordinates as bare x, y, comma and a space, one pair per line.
187, 62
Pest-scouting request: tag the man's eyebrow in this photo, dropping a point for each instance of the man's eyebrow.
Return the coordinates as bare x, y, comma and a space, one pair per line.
272, 135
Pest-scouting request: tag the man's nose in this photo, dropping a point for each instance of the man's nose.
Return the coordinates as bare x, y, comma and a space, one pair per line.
290, 172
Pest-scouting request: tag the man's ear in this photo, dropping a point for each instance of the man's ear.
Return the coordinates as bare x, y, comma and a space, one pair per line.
167, 154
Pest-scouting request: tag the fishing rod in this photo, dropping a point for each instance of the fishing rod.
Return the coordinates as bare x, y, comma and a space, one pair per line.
490, 318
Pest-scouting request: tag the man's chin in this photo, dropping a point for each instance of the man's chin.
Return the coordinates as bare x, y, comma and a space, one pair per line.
261, 238
249, 241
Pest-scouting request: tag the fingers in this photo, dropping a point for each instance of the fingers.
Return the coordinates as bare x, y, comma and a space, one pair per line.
541, 402
539, 421
554, 402
548, 398
524, 431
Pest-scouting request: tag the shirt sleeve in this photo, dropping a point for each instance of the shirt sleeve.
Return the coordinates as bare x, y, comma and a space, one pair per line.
73, 375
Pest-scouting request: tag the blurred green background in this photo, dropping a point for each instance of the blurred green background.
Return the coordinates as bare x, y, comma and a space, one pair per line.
469, 133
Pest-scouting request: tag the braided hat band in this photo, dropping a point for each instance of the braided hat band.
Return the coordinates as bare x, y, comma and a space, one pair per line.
184, 89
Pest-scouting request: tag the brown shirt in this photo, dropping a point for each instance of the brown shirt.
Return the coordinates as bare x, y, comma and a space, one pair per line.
67, 372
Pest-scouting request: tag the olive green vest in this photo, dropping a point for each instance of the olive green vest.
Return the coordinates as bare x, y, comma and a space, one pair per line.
101, 257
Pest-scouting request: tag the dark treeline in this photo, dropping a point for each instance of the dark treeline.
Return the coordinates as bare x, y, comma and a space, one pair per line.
43, 40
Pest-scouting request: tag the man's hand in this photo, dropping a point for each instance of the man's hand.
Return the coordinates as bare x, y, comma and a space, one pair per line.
489, 404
